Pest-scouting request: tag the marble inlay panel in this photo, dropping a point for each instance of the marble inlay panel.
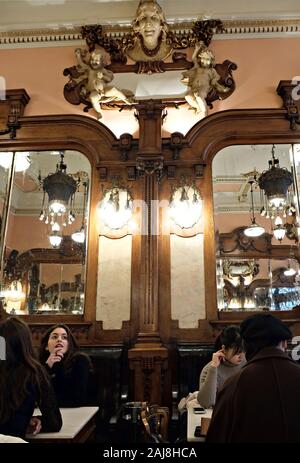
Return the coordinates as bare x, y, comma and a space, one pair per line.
187, 280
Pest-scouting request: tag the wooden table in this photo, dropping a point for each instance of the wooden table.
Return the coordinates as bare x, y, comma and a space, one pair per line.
195, 420
78, 426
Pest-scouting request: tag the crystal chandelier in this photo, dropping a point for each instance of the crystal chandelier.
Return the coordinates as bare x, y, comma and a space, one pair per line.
185, 207
59, 210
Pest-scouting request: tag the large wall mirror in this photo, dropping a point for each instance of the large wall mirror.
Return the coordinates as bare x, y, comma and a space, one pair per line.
44, 204
256, 216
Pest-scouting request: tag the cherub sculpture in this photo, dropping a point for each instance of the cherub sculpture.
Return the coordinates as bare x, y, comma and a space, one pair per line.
92, 70
201, 79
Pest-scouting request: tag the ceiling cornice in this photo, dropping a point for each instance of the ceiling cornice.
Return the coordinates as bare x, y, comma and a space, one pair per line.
232, 29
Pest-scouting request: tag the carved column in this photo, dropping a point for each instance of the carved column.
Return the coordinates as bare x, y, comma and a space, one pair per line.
148, 359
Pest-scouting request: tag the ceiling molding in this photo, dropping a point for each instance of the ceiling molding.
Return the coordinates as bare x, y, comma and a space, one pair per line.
233, 29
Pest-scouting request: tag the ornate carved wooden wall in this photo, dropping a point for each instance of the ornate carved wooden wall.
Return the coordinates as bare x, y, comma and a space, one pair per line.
150, 165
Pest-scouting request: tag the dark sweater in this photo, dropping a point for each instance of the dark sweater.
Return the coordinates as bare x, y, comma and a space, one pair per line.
72, 385
51, 418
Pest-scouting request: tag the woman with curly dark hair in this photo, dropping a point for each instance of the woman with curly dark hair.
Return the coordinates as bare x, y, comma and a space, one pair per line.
24, 384
70, 370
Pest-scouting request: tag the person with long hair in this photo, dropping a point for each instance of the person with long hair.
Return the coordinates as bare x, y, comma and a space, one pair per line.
24, 384
70, 370
226, 361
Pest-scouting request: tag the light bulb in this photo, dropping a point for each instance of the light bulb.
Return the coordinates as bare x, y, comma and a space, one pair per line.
277, 201
279, 232
56, 207
79, 236
55, 240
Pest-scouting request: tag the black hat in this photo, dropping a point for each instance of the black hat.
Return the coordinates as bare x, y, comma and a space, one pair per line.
264, 326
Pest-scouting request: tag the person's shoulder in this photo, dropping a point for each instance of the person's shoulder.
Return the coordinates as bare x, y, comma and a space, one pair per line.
82, 359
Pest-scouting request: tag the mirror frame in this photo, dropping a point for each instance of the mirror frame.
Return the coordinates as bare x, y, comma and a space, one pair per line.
211, 135
79, 133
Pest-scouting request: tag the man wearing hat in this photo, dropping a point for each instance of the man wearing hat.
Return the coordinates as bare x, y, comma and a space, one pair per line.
261, 402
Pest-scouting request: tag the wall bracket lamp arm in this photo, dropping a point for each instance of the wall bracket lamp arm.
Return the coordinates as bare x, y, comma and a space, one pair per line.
12, 125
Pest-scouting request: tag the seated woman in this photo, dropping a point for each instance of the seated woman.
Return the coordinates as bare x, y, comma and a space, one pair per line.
226, 361
24, 384
70, 370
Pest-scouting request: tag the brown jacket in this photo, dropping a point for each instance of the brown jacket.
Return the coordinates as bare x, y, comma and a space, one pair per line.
261, 403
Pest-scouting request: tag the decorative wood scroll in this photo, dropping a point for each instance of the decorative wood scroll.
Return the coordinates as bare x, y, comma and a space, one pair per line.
238, 241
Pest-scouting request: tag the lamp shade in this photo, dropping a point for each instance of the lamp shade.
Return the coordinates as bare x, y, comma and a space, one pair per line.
254, 230
59, 187
275, 182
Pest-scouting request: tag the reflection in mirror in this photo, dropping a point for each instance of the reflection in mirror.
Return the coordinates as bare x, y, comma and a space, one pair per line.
44, 207
257, 271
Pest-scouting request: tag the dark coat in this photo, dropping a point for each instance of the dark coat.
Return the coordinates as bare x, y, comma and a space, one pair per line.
260, 403
73, 387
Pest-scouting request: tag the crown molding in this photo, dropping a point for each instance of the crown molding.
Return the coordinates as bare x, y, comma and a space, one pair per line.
234, 29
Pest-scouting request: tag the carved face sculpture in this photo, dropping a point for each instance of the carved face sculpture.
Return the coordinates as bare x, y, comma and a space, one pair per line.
96, 60
149, 23
206, 59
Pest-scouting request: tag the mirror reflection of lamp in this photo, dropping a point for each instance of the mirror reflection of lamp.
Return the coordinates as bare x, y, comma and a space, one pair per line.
253, 230
60, 188
116, 207
21, 160
290, 271
55, 237
278, 185
185, 207
79, 235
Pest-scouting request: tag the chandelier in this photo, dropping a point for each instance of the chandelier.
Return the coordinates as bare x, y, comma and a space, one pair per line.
58, 212
116, 207
277, 186
185, 207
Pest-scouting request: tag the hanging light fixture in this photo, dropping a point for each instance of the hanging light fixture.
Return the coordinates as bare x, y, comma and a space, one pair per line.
79, 235
116, 207
60, 189
277, 184
55, 236
185, 207
254, 230
21, 160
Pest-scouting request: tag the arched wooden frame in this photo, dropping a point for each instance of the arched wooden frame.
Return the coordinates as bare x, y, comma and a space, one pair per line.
97, 143
206, 139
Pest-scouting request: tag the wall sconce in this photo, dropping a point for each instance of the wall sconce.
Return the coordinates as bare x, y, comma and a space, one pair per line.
60, 188
116, 207
185, 207
13, 292
21, 160
254, 230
